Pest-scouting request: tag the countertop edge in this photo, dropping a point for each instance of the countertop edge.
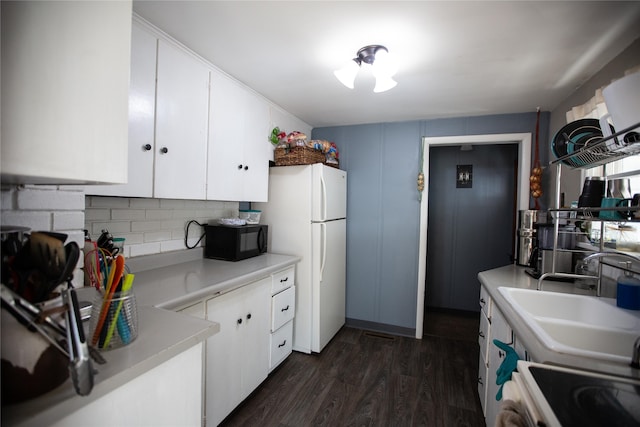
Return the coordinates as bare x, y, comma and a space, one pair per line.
515, 276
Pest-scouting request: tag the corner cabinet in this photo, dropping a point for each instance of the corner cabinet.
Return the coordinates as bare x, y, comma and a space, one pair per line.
168, 121
239, 149
65, 81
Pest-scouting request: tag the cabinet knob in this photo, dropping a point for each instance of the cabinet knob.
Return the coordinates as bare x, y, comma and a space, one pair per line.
246, 167
164, 150
146, 147
248, 316
239, 166
239, 321
283, 344
285, 309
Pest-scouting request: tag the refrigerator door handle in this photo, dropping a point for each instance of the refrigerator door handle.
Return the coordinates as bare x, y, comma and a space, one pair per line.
323, 230
324, 198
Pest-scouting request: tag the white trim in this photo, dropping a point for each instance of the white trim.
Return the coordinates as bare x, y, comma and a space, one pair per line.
524, 168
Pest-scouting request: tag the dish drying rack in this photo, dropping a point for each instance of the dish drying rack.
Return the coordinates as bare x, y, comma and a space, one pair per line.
602, 152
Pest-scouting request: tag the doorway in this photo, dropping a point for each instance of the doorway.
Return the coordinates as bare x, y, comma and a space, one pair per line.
523, 142
471, 223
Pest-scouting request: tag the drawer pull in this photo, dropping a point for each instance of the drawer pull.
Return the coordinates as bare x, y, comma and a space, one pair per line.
285, 309
284, 280
283, 344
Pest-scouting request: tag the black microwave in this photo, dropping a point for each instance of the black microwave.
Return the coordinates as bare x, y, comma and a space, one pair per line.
233, 243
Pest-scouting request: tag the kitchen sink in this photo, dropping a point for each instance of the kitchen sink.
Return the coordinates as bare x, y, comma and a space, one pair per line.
581, 325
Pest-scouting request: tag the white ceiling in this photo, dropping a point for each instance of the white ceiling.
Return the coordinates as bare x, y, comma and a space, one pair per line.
455, 58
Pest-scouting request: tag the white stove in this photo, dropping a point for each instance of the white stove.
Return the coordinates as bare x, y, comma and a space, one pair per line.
557, 396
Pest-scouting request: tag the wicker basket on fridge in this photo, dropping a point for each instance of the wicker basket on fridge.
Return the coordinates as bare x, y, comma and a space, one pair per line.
300, 155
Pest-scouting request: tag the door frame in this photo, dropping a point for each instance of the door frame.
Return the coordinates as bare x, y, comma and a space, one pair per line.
524, 168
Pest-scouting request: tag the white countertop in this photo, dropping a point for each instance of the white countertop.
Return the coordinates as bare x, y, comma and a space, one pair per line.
515, 276
163, 283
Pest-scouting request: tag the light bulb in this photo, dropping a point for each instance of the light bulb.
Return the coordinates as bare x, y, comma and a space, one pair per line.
384, 83
347, 74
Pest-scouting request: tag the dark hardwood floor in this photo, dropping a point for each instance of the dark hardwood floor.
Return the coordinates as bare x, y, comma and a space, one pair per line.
369, 379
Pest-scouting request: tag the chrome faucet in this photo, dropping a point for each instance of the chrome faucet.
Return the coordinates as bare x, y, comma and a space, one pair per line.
595, 255
635, 358
584, 263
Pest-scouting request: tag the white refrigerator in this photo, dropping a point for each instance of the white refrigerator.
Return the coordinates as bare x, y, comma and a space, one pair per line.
306, 214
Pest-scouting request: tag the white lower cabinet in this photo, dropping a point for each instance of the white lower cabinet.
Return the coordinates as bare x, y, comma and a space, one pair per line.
493, 325
167, 395
238, 356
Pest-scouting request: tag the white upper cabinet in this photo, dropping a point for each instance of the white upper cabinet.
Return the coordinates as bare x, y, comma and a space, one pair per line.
239, 148
182, 109
142, 104
168, 120
65, 81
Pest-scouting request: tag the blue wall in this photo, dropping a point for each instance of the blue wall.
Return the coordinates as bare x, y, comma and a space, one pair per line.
383, 210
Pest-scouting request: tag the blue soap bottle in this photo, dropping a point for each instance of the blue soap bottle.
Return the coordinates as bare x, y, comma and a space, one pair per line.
628, 292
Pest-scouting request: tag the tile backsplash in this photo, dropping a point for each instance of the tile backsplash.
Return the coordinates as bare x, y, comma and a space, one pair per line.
46, 208
152, 226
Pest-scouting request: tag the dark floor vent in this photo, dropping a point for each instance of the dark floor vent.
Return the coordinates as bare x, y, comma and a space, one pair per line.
379, 335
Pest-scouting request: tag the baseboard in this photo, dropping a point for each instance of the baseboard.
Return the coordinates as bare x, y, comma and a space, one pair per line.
381, 327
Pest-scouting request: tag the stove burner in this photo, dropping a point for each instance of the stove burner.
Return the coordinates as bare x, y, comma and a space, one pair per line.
583, 400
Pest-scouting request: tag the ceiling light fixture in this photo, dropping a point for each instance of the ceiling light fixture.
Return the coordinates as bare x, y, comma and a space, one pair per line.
377, 57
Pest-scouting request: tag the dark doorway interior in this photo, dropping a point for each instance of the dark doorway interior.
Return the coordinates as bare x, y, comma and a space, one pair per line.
471, 227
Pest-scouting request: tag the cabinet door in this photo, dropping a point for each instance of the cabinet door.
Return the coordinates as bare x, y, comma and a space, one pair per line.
223, 385
142, 102
501, 331
65, 82
237, 356
256, 150
255, 349
239, 149
182, 109
226, 139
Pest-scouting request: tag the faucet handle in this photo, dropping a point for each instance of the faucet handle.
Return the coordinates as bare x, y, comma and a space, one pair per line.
635, 358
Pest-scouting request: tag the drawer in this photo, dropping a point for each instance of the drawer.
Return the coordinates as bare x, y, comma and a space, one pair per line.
482, 383
485, 302
281, 345
483, 335
283, 307
282, 280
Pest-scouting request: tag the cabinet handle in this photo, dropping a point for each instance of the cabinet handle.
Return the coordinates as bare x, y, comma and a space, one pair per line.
284, 280
146, 147
248, 316
246, 167
501, 354
283, 344
286, 308
239, 321
481, 334
482, 302
480, 381
239, 166
164, 150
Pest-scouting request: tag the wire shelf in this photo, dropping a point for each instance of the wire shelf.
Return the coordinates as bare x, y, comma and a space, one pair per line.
604, 150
